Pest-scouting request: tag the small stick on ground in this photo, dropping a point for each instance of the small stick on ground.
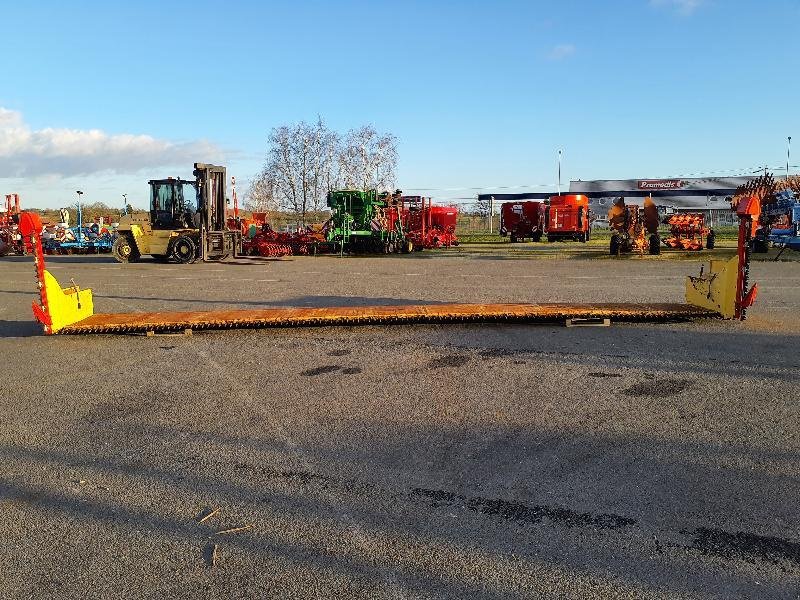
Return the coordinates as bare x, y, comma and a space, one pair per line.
234, 530
209, 515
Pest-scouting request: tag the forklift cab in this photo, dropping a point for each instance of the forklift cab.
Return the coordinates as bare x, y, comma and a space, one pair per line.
174, 204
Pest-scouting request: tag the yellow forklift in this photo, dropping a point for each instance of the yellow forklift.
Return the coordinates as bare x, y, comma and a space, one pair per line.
187, 221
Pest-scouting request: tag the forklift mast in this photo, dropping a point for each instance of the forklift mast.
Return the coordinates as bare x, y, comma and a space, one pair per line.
216, 241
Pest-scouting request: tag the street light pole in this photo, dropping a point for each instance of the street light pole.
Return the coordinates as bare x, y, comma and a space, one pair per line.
80, 217
788, 154
559, 171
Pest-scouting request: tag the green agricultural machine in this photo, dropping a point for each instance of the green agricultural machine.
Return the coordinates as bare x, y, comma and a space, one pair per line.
366, 221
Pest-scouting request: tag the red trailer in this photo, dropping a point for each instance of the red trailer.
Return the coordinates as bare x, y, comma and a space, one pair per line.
522, 220
568, 218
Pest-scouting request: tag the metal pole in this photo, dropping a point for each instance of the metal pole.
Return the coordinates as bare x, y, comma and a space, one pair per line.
491, 213
80, 217
788, 154
559, 172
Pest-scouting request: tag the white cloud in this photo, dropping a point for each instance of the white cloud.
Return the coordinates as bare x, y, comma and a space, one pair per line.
683, 7
67, 152
561, 51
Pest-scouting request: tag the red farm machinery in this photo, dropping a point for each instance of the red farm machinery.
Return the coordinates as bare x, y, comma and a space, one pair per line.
568, 218
688, 232
634, 229
428, 226
521, 220
11, 241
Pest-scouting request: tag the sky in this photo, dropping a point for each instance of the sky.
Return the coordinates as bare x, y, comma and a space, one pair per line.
102, 96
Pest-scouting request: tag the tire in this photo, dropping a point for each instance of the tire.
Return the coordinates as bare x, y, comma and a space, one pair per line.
184, 250
655, 245
125, 250
711, 240
537, 237
760, 246
614, 247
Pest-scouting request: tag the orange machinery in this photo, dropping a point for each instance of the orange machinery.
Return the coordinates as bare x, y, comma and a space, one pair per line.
568, 218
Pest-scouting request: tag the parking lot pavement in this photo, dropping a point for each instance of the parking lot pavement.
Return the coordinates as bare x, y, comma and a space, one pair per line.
488, 461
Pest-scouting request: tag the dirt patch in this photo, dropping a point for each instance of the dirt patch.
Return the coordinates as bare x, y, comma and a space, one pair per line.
320, 370
664, 388
451, 360
341, 352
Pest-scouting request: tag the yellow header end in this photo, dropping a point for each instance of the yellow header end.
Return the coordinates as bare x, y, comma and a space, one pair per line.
65, 306
715, 289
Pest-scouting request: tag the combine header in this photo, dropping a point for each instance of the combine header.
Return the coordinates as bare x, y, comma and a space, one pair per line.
723, 291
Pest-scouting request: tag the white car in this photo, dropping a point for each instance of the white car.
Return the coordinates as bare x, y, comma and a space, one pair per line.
600, 223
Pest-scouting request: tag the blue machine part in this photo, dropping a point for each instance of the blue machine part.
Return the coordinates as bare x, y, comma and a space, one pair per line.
787, 204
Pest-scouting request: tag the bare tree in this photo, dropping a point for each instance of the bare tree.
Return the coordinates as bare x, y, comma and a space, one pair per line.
260, 196
482, 207
305, 161
368, 159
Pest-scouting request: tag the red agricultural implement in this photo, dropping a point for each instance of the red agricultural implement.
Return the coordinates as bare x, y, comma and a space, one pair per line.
11, 241
270, 243
568, 218
687, 231
428, 226
520, 220
634, 229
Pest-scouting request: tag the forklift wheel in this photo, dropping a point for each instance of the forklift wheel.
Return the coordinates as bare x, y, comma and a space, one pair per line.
184, 250
124, 249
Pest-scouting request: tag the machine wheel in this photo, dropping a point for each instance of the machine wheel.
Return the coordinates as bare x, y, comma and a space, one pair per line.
711, 240
550, 238
124, 249
760, 246
655, 245
537, 237
614, 247
408, 247
184, 250
513, 239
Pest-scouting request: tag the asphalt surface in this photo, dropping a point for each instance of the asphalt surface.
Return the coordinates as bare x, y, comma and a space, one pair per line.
453, 461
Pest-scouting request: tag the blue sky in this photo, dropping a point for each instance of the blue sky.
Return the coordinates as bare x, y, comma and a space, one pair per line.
101, 96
